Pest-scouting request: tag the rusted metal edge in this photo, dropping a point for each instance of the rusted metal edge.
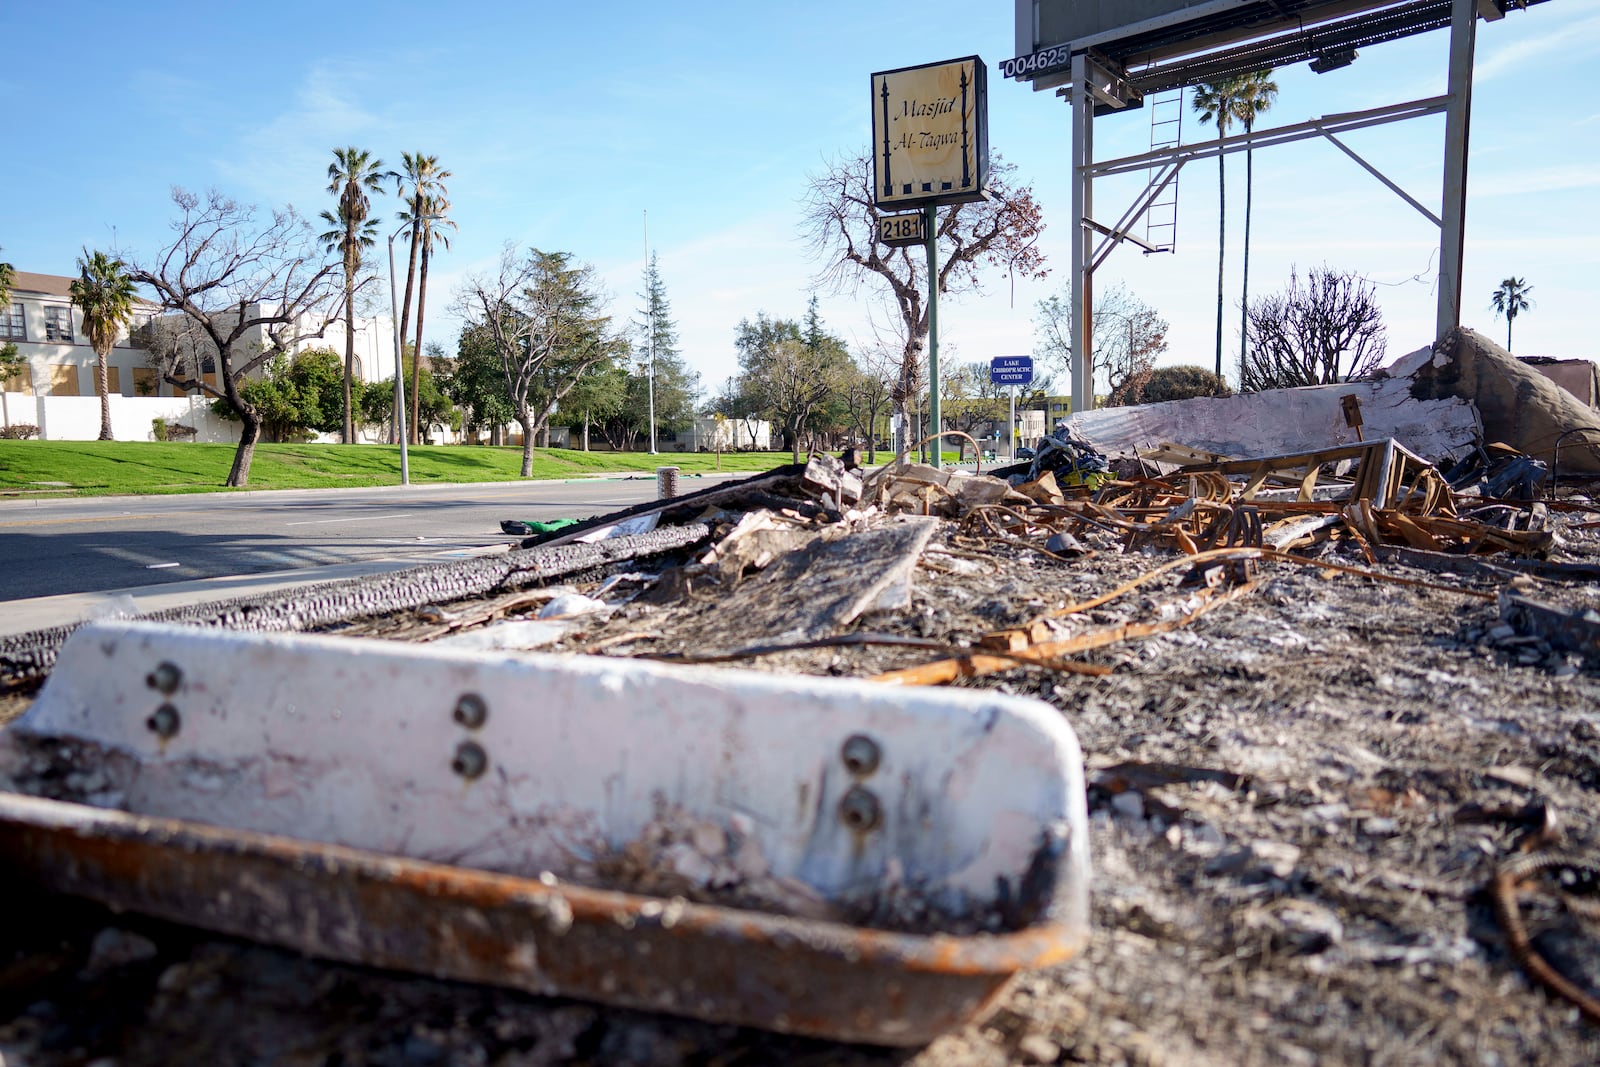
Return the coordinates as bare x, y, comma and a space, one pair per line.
820, 979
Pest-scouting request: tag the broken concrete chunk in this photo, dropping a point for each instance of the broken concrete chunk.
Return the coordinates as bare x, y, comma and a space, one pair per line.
827, 476
1516, 403
976, 490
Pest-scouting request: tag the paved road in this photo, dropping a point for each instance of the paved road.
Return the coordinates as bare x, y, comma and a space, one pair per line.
50, 547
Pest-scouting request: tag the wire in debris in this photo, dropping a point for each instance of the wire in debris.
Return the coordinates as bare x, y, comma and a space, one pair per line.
1503, 894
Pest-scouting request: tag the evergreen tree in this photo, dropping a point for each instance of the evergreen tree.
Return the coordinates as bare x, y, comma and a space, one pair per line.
659, 382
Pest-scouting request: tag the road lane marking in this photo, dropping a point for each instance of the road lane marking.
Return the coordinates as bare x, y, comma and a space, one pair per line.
356, 519
92, 518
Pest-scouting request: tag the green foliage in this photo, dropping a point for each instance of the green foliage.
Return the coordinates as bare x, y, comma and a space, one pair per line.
475, 382
433, 406
1181, 383
352, 174
675, 387
541, 317
970, 401
795, 377
93, 468
297, 398
104, 292
158, 429
11, 361
1510, 300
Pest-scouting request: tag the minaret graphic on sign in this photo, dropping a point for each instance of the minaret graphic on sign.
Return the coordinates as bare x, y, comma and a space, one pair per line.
888, 185
966, 158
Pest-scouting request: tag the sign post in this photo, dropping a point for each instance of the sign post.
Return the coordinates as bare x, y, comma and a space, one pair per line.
930, 146
1012, 371
935, 421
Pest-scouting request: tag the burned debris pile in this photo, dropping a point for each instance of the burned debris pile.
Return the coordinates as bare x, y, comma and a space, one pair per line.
1335, 689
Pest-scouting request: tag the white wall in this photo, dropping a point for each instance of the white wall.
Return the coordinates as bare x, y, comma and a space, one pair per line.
77, 418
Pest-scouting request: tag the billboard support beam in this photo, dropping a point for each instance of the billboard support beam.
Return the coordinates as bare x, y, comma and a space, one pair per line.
1458, 118
1082, 247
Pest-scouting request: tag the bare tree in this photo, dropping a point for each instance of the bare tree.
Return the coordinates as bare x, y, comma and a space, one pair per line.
867, 388
542, 317
1328, 330
789, 374
975, 400
1129, 335
246, 291
841, 223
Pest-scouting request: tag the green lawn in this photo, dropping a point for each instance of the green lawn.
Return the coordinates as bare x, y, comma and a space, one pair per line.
95, 468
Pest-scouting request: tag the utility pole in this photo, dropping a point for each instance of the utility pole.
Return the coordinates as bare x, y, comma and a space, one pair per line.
650, 304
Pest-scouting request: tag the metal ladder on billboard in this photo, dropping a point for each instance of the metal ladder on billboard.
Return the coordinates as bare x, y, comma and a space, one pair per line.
1166, 131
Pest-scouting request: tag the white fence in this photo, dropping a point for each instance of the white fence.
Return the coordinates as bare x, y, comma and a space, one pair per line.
77, 418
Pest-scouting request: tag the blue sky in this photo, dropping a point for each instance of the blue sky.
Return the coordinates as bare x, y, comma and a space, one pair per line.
563, 124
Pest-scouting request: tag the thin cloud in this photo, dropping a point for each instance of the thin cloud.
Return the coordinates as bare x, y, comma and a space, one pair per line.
1582, 36
1539, 180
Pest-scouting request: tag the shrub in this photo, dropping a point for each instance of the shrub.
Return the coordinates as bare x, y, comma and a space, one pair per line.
158, 429
177, 431
1181, 383
18, 431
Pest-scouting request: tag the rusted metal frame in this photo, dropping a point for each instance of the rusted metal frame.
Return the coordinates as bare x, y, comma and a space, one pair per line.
1104, 518
812, 977
1308, 481
1379, 460
1555, 453
1045, 653
1484, 537
1005, 638
1410, 531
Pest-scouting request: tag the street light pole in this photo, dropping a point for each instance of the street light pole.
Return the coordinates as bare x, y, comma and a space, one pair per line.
399, 368
650, 303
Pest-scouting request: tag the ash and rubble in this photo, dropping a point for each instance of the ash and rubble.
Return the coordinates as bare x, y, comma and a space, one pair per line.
1304, 775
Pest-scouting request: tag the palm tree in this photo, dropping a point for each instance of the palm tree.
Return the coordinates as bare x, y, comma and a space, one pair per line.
420, 181
435, 220
352, 172
1510, 300
1257, 92
10, 362
104, 293
1217, 102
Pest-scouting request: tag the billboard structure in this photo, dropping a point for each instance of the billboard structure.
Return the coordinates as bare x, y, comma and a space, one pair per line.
1106, 55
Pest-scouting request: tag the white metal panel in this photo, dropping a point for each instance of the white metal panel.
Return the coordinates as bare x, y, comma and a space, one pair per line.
351, 741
